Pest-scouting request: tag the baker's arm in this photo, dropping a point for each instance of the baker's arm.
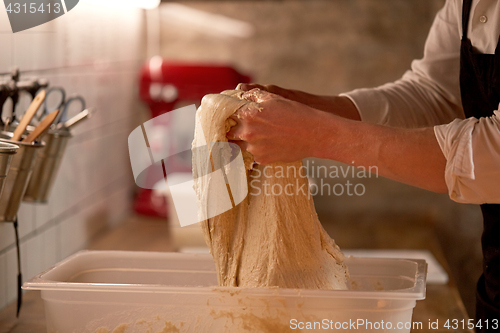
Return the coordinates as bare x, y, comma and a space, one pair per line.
410, 156
461, 158
284, 131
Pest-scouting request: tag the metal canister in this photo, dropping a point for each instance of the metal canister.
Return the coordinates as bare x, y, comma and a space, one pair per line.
17, 176
47, 162
7, 150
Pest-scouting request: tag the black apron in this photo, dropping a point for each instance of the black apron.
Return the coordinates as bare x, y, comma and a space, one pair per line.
480, 91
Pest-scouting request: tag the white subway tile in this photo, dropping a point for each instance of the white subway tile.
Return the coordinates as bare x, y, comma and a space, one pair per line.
63, 189
50, 251
3, 281
7, 236
57, 196
11, 275
6, 59
59, 240
120, 205
74, 235
66, 237
33, 257
43, 48
26, 219
43, 213
24, 258
23, 52
91, 167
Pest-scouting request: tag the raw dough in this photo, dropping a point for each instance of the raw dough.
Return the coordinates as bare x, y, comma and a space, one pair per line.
266, 240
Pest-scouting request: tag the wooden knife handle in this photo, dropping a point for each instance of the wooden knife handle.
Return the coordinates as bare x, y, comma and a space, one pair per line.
42, 127
28, 115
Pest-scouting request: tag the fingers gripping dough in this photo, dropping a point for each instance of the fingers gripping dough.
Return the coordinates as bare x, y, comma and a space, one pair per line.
267, 240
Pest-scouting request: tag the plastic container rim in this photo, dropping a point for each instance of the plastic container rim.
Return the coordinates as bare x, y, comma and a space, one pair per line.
39, 282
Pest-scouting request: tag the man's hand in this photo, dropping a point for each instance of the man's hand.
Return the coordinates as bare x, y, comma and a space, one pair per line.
281, 130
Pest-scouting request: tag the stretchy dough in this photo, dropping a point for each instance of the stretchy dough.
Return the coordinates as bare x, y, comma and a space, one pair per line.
267, 240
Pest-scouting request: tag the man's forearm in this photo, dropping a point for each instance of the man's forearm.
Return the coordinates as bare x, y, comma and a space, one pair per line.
411, 156
337, 105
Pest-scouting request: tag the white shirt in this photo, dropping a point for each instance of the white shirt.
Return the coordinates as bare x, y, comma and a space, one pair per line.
429, 95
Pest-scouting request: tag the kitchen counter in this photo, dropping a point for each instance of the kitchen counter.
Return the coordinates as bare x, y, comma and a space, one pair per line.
145, 234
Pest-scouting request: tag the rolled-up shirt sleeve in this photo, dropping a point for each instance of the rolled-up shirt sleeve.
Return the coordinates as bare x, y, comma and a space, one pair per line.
472, 151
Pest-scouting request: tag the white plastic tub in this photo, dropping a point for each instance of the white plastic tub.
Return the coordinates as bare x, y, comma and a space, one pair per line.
122, 292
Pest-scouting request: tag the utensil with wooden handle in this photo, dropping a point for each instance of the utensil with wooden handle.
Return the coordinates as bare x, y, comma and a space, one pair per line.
42, 127
85, 114
28, 115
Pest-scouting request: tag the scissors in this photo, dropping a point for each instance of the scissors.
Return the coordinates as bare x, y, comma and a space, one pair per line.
56, 100
20, 94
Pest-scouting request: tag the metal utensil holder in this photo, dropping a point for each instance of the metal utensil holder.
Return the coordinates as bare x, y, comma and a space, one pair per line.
47, 162
7, 151
18, 175
15, 169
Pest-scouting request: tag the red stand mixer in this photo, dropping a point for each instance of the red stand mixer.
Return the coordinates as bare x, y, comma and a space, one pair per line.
165, 86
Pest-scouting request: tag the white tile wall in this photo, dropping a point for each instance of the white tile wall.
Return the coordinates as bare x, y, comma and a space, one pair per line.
32, 256
6, 42
10, 275
3, 282
43, 214
6, 235
50, 252
96, 52
74, 233
26, 216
